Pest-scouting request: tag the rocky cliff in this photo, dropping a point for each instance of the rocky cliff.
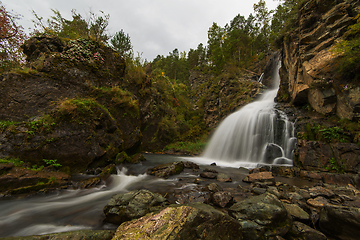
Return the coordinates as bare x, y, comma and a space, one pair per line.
67, 105
309, 60
327, 104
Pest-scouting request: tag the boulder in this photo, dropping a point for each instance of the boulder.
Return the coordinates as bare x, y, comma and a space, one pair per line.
321, 191
209, 173
167, 169
222, 198
262, 216
195, 221
340, 221
259, 177
297, 212
302, 231
135, 204
222, 177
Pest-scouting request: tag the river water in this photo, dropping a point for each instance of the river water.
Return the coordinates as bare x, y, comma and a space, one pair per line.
75, 209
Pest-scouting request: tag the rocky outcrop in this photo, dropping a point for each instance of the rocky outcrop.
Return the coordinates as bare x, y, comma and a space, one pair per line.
67, 105
222, 95
308, 67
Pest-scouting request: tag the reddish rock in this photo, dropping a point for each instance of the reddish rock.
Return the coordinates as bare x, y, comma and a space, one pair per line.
317, 202
259, 177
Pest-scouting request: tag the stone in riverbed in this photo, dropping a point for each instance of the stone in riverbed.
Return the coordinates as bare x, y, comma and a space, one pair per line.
167, 169
259, 177
195, 221
135, 204
222, 177
222, 198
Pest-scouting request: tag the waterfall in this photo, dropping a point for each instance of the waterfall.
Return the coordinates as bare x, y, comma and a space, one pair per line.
256, 134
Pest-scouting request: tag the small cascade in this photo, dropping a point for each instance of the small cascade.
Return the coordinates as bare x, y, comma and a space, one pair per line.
256, 134
261, 78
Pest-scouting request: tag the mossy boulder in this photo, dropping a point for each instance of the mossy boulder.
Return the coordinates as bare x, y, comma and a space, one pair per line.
195, 221
135, 204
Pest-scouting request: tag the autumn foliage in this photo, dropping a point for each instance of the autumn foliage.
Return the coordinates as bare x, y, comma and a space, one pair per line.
12, 37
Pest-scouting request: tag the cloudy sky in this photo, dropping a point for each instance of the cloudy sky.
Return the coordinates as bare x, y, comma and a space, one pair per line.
156, 27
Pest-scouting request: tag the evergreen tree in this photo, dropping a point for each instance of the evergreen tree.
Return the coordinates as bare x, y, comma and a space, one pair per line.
121, 43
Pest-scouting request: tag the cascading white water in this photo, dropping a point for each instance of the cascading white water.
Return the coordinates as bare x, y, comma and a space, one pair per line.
256, 134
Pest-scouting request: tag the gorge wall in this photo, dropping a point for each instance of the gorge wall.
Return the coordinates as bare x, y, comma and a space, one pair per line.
308, 72
327, 105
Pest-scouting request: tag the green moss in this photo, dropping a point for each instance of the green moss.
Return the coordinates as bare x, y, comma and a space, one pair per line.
16, 161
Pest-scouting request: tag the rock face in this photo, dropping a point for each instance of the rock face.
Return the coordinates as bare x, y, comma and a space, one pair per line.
63, 109
135, 204
196, 221
224, 94
307, 71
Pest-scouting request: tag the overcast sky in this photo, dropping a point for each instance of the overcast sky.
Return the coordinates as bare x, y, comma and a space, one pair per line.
156, 27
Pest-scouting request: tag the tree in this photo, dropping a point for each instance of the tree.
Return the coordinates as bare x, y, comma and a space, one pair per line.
215, 52
12, 37
94, 26
121, 43
263, 16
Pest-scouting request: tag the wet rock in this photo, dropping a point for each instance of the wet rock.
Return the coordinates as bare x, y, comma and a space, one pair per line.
297, 212
274, 190
262, 216
222, 198
191, 165
209, 175
222, 177
259, 177
302, 231
317, 202
195, 221
320, 191
192, 197
272, 151
167, 169
340, 221
258, 191
212, 187
73, 235
127, 206
137, 158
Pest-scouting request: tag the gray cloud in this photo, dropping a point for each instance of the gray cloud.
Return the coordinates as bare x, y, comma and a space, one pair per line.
155, 26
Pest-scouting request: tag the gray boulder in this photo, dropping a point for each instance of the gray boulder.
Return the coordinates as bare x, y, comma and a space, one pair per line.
262, 216
135, 204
